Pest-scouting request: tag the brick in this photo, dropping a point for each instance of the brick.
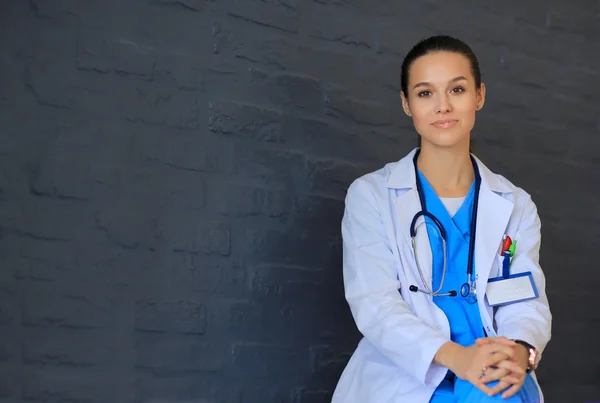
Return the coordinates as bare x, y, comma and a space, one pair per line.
257, 392
284, 282
169, 355
315, 207
328, 362
235, 37
10, 303
245, 120
126, 224
59, 306
130, 58
192, 272
569, 20
156, 187
52, 10
29, 218
67, 385
282, 15
332, 178
9, 349
341, 105
302, 248
35, 259
191, 5
9, 384
156, 105
66, 347
63, 175
48, 84
328, 23
183, 71
180, 316
249, 201
576, 333
312, 396
244, 319
552, 46
276, 361
188, 232
264, 166
180, 388
94, 51
296, 93
188, 153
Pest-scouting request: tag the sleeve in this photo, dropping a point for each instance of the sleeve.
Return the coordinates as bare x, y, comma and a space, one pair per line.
372, 290
528, 320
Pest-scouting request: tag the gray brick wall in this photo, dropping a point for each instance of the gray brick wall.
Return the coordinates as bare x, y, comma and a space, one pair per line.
172, 175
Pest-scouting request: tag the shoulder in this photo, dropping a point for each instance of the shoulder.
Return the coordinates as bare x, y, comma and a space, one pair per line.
397, 174
501, 185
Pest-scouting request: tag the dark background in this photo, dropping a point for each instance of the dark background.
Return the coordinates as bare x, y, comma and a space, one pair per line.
172, 175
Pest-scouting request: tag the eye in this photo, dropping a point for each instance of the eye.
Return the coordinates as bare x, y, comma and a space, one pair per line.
424, 93
458, 89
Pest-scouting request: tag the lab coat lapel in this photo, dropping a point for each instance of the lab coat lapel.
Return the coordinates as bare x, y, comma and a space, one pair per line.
402, 184
492, 220
407, 205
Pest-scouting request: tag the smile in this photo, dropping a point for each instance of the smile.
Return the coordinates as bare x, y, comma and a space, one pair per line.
445, 124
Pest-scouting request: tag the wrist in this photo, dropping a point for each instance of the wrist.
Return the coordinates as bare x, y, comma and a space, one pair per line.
527, 355
447, 354
522, 355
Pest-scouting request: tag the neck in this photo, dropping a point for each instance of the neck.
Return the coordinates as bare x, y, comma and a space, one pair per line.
448, 170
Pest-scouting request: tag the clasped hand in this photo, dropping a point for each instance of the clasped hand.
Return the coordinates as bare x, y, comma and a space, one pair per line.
493, 359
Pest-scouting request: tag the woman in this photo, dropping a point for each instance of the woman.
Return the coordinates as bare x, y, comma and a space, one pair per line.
442, 321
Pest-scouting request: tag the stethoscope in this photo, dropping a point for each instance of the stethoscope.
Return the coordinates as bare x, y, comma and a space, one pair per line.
468, 290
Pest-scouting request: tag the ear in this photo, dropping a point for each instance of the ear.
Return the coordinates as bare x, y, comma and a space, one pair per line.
405, 104
481, 97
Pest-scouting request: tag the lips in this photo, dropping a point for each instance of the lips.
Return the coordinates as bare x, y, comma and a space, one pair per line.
445, 124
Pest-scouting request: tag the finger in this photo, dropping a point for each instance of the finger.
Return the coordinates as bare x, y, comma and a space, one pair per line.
490, 349
497, 357
481, 386
488, 340
512, 390
499, 388
495, 375
511, 379
512, 366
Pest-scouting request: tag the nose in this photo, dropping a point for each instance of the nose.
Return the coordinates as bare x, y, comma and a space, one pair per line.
443, 104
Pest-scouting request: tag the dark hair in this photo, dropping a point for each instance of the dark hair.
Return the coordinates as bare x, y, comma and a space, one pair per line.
435, 44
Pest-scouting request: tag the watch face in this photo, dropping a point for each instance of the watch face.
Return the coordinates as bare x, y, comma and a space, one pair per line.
532, 358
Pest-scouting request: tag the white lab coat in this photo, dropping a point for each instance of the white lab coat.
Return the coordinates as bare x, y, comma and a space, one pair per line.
402, 329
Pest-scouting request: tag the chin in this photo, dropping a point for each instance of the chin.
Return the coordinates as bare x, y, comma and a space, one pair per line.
446, 140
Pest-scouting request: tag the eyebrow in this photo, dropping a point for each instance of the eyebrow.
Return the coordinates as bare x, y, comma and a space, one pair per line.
426, 84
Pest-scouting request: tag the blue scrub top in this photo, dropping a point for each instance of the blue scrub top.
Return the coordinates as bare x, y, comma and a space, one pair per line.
464, 318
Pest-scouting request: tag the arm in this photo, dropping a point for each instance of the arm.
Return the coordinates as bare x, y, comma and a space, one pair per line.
529, 321
371, 288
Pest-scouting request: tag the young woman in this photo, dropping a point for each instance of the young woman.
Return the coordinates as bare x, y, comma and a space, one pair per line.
441, 255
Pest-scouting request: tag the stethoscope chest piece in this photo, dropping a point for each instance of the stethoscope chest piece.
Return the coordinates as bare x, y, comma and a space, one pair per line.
469, 292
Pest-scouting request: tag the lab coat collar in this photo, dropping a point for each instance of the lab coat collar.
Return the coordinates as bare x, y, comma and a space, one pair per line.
402, 176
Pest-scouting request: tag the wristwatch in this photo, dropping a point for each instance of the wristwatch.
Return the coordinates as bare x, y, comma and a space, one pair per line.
533, 355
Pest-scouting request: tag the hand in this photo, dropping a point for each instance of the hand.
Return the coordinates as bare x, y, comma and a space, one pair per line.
509, 381
468, 362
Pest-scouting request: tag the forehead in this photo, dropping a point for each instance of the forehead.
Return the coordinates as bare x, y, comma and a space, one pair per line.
439, 67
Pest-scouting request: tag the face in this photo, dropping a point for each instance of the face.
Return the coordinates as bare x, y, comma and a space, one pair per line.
442, 99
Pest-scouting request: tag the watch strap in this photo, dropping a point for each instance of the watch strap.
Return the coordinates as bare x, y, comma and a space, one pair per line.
532, 359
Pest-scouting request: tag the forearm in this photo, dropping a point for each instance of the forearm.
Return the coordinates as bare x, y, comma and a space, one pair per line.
447, 354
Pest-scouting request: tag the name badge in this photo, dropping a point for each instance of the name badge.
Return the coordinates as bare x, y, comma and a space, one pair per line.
516, 288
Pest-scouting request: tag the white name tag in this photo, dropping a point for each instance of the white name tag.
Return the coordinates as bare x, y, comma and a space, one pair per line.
518, 287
